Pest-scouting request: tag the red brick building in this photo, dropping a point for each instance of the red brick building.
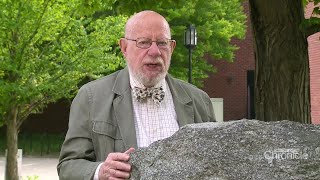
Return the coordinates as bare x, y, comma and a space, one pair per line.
314, 59
234, 82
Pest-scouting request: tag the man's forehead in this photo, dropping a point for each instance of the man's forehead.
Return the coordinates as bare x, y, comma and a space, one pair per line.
146, 20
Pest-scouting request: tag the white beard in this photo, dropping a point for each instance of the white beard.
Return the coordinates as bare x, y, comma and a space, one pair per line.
148, 82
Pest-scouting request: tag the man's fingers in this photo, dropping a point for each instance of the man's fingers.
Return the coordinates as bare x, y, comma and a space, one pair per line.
116, 165
130, 150
116, 170
118, 174
121, 156
114, 178
118, 157
123, 166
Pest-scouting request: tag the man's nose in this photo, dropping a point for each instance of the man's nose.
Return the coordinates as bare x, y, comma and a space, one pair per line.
154, 50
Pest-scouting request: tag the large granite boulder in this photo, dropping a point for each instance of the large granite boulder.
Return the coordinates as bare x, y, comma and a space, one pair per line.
236, 150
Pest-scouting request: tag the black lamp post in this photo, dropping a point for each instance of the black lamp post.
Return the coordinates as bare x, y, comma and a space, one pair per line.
190, 41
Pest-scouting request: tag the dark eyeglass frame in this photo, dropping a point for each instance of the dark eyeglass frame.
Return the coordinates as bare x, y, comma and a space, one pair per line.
149, 42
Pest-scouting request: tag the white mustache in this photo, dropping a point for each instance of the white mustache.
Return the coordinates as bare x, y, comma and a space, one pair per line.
157, 60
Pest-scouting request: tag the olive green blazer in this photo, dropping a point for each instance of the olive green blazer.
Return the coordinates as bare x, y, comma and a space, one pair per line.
101, 121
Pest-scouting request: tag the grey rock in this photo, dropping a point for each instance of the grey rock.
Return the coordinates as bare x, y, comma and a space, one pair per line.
235, 150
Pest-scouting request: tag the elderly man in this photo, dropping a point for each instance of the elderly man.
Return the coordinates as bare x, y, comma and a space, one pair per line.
131, 108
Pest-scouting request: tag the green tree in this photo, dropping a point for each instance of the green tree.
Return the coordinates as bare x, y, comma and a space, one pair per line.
49, 46
46, 50
282, 66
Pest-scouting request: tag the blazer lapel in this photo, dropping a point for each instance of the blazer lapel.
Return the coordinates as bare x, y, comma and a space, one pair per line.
123, 109
182, 102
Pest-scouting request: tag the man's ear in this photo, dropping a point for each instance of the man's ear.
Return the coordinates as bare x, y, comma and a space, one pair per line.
123, 46
173, 45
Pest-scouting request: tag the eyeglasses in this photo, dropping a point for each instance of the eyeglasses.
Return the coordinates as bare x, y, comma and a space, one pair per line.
145, 43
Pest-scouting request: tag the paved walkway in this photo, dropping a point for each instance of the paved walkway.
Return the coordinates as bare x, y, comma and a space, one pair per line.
45, 168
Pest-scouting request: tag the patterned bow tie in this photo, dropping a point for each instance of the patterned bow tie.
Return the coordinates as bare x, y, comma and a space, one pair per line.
141, 94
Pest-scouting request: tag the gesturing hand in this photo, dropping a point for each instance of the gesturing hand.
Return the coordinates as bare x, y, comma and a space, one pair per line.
116, 166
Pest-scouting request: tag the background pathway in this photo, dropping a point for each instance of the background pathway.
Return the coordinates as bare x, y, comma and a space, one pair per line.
43, 167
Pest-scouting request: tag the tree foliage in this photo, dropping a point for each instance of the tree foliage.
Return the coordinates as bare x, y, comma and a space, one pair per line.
312, 24
46, 50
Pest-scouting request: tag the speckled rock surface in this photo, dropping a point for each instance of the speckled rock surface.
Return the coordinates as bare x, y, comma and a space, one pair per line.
236, 150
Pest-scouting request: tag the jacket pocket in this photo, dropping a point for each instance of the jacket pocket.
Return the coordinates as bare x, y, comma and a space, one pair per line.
108, 129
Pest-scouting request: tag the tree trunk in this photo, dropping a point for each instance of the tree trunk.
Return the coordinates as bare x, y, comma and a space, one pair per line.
282, 89
12, 146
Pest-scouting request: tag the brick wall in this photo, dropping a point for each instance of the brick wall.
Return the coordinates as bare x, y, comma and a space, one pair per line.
230, 82
314, 60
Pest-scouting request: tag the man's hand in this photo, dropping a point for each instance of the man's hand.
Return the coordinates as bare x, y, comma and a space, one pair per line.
116, 166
